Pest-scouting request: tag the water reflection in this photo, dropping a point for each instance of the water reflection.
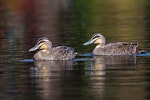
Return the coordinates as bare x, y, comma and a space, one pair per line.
102, 64
105, 61
67, 22
46, 68
49, 77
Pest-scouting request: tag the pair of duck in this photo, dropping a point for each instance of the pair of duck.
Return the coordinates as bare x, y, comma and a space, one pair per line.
47, 52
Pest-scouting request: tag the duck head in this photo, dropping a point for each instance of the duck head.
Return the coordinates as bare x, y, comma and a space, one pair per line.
97, 38
42, 44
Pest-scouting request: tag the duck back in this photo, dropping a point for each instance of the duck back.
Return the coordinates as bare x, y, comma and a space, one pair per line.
56, 53
118, 48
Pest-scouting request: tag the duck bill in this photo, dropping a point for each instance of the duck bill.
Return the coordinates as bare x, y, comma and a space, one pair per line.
34, 48
88, 42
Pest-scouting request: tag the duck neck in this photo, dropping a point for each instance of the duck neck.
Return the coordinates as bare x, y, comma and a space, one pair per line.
102, 41
49, 45
101, 44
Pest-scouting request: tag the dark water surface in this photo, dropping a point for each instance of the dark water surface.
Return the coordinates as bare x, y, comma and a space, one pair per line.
71, 23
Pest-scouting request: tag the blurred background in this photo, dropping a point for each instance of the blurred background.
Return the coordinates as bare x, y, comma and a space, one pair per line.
71, 23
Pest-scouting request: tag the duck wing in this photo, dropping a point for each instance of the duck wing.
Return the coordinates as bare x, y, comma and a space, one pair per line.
121, 48
64, 52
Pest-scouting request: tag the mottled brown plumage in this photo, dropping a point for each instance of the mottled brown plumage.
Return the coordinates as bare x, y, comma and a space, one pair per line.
117, 48
47, 52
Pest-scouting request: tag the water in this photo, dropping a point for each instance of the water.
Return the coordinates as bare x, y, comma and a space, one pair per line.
71, 23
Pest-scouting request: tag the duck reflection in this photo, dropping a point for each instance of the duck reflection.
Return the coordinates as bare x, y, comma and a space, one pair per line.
46, 68
103, 64
114, 62
49, 77
52, 77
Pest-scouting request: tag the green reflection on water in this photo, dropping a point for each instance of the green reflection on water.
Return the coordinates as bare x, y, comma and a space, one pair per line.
118, 20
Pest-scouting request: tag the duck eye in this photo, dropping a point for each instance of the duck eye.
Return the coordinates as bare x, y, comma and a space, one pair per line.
40, 42
96, 36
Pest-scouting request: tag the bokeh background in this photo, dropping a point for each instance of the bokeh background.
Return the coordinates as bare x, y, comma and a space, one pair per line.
71, 23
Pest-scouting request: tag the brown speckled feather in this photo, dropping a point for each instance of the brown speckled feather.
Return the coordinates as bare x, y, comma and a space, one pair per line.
56, 53
117, 48
47, 52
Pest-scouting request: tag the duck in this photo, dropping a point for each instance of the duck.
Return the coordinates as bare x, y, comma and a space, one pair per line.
45, 51
115, 48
